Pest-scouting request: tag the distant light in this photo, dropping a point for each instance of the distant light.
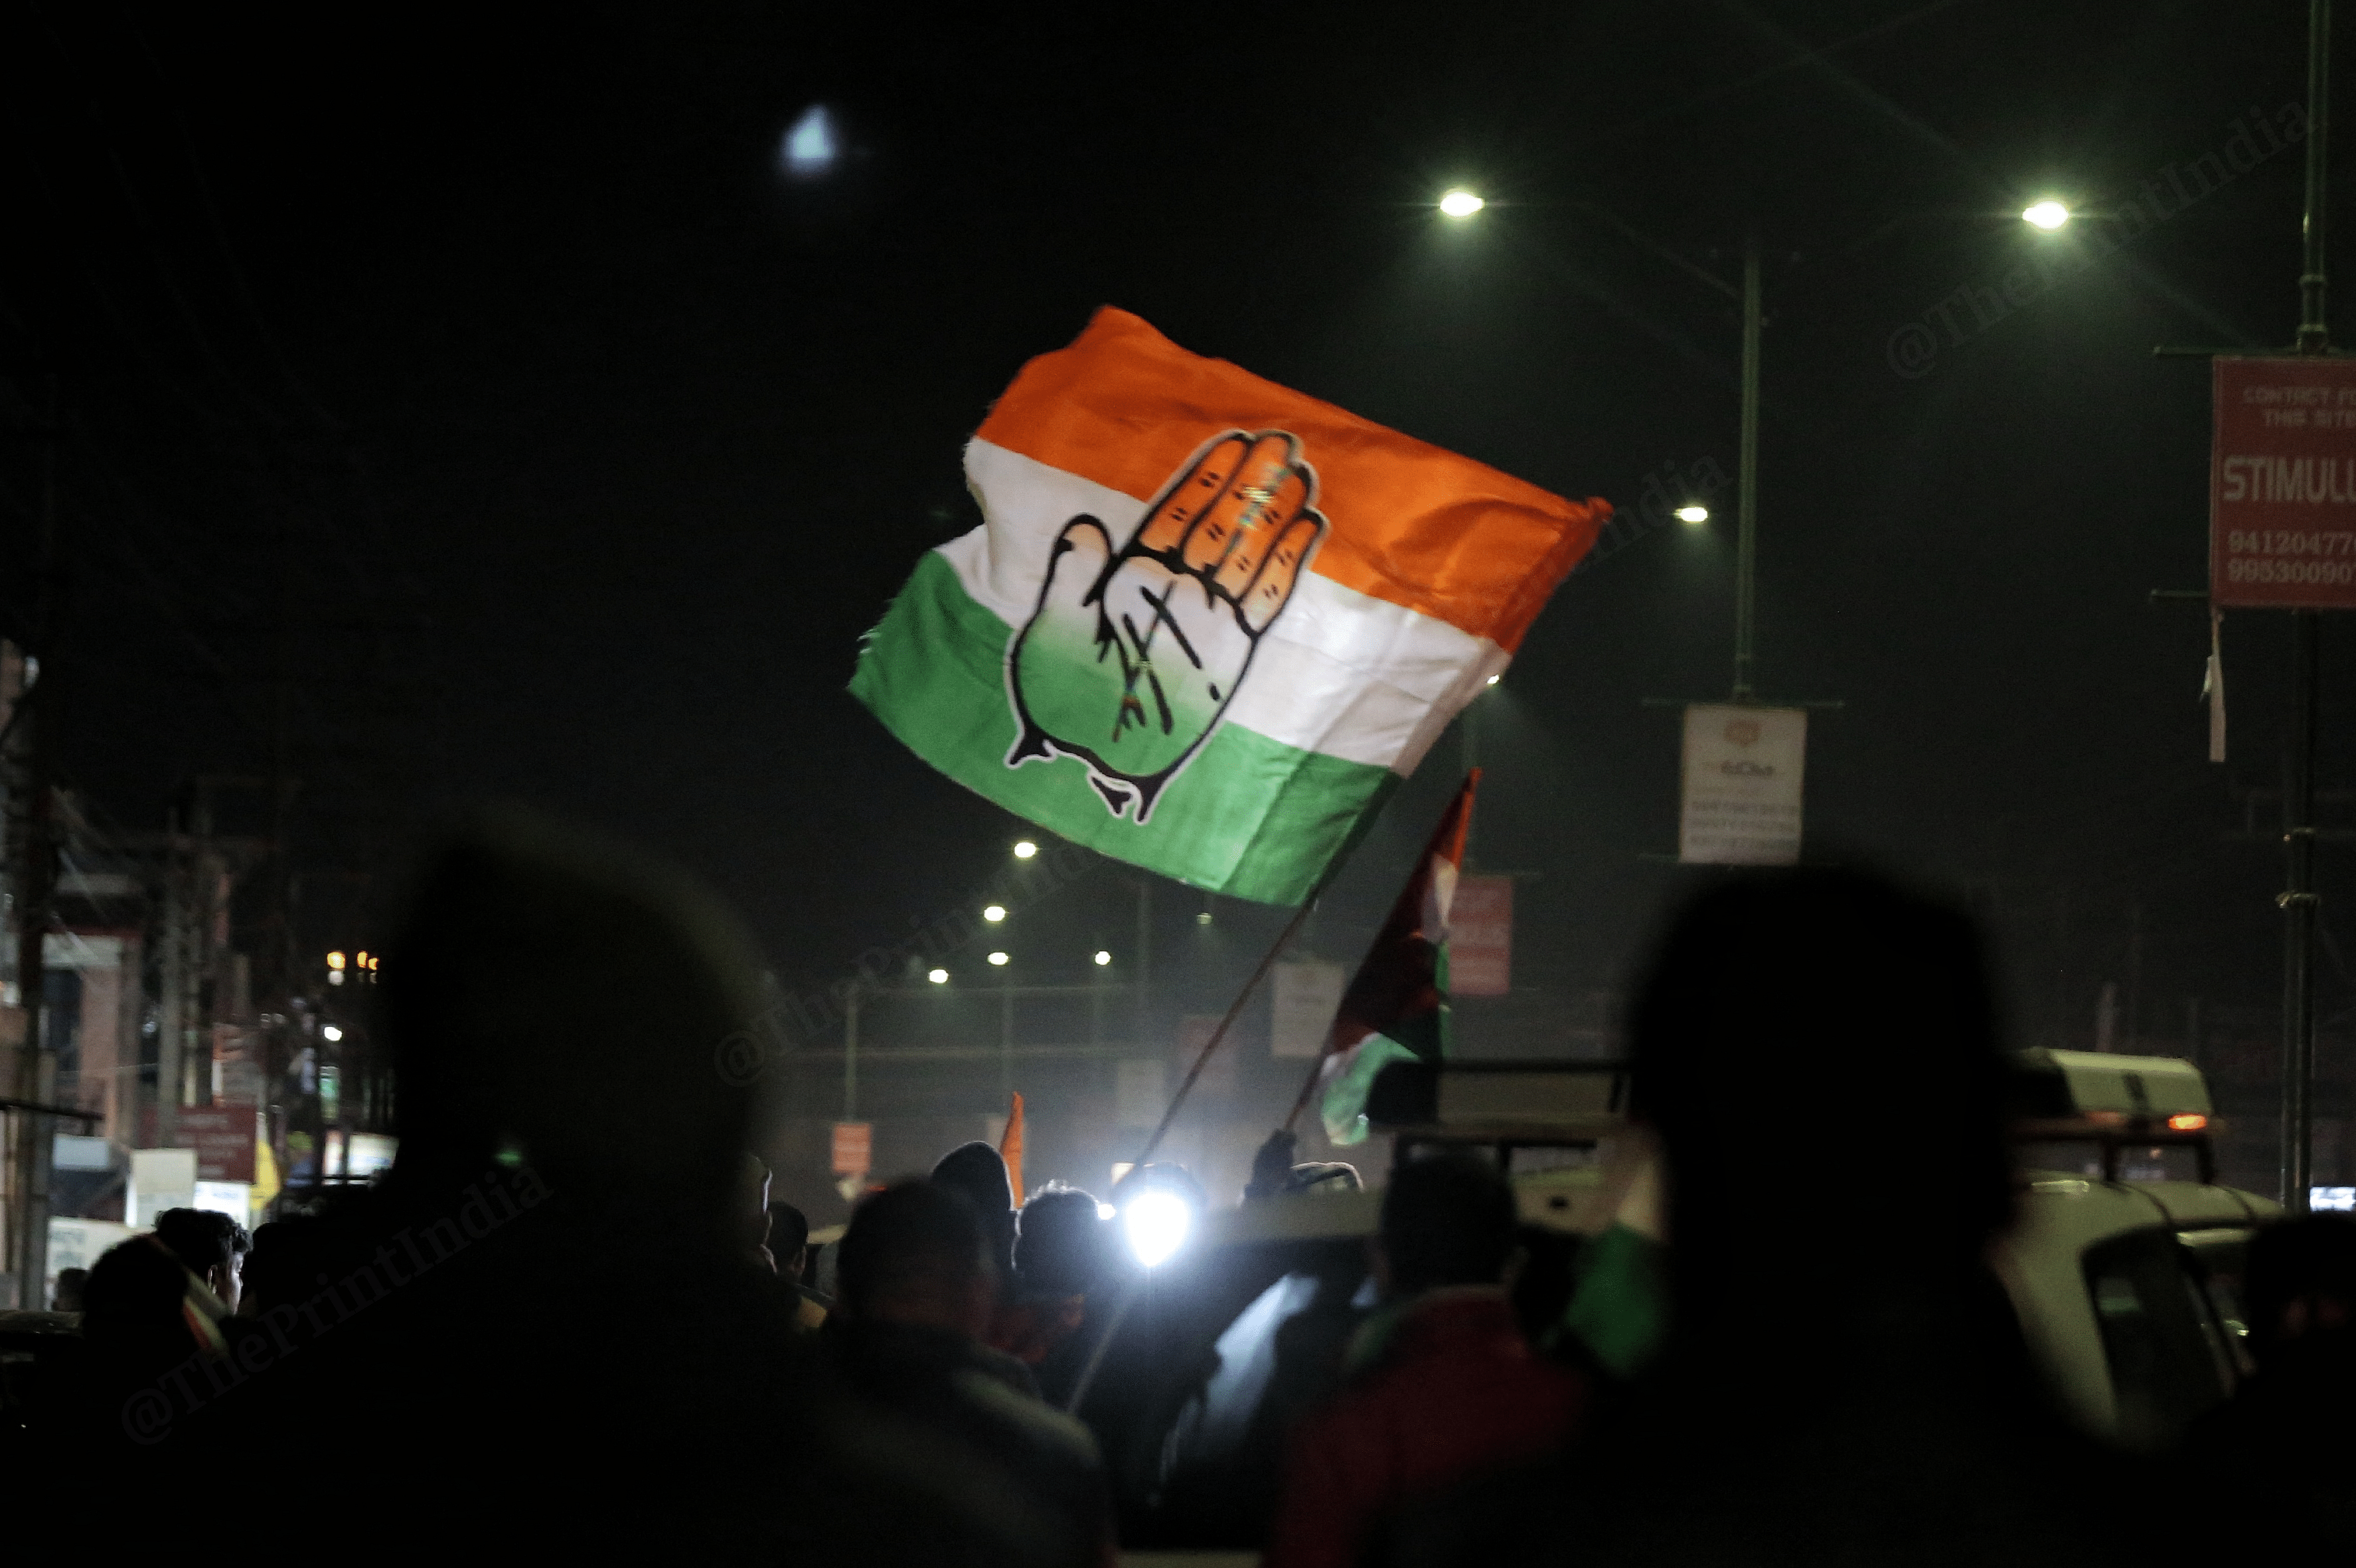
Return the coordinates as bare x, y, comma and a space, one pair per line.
1103, 958
937, 976
1461, 204
1156, 1221
2338, 1199
334, 961
364, 961
335, 977
1203, 919
809, 146
2188, 1122
1105, 1210
1025, 849
1693, 514
998, 958
2047, 215
331, 1034
1494, 679
994, 913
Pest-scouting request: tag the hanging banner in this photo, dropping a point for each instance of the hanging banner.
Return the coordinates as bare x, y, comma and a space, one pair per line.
855, 1148
1742, 771
1481, 936
1302, 1002
2282, 485
223, 1136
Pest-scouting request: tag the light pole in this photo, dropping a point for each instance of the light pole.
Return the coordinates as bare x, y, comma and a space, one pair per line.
1461, 204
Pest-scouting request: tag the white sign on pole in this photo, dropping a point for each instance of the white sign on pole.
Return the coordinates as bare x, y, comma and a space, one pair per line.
1742, 773
1302, 1005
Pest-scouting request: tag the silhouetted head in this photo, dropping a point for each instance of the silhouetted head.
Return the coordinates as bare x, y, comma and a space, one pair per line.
913, 1255
211, 1246
131, 1309
789, 1239
976, 1172
69, 1297
2300, 1282
1817, 1050
1065, 1245
578, 1002
1447, 1220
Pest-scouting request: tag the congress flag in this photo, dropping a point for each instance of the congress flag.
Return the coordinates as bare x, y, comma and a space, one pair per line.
1207, 622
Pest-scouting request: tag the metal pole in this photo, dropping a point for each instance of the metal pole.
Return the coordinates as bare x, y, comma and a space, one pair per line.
2298, 899
36, 887
850, 1058
1746, 547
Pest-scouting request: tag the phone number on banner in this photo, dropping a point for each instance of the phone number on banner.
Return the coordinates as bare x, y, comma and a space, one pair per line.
2242, 569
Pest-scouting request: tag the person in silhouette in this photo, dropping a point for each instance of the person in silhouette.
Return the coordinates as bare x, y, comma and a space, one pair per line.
2283, 1448
1441, 1384
917, 1290
1843, 1381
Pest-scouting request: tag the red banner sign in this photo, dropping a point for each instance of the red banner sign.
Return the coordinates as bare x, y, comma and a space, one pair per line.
855, 1147
2282, 485
222, 1136
1481, 936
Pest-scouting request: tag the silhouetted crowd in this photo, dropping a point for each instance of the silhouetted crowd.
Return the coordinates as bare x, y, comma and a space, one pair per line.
571, 1318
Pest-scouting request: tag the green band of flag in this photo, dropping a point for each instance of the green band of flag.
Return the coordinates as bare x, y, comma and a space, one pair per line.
1258, 819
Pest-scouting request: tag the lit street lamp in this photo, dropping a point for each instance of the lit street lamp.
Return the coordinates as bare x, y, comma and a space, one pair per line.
1460, 204
1693, 514
1025, 849
2047, 215
994, 913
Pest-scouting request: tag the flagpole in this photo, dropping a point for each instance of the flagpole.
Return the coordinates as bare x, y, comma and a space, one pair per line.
1235, 1010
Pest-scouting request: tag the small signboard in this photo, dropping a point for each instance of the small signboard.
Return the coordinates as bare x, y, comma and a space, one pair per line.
1742, 775
2282, 484
855, 1148
1481, 936
223, 1137
1302, 1000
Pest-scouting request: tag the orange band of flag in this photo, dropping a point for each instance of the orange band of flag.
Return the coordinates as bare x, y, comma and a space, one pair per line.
1413, 525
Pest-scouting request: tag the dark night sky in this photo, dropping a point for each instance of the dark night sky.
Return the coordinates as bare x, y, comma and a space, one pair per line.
490, 380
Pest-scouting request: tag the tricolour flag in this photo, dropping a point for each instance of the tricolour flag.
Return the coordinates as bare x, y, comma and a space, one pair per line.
1207, 622
1396, 1009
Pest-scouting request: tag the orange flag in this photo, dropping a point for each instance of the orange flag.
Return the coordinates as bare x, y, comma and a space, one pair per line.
1010, 1149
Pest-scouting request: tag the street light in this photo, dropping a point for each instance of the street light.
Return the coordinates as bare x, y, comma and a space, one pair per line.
997, 959
331, 1034
937, 976
1103, 958
2048, 214
1460, 203
1693, 514
1025, 849
995, 913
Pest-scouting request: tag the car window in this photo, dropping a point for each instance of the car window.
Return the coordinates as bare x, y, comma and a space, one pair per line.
2222, 1253
2167, 1350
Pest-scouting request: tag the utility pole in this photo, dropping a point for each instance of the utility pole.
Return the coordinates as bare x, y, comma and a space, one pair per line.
2298, 898
1746, 534
36, 890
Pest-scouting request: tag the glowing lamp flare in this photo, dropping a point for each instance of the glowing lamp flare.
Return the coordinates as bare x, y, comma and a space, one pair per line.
1460, 204
937, 976
998, 958
1693, 514
995, 913
2047, 215
1156, 1224
1025, 849
2188, 1122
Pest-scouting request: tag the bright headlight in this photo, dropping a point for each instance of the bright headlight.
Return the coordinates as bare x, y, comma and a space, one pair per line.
1156, 1224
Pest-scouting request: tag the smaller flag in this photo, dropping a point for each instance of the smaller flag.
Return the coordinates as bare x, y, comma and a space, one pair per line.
1396, 1006
1009, 1148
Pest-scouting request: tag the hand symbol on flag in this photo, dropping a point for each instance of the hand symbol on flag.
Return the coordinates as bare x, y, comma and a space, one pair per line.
1134, 652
